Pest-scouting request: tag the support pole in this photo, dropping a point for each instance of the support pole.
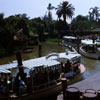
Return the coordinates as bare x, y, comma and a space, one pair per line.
19, 58
78, 43
64, 86
39, 50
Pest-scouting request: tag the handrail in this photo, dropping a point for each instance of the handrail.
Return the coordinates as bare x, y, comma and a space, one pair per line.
48, 84
52, 54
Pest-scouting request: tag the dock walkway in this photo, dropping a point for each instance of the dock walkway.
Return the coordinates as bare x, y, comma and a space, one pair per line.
92, 82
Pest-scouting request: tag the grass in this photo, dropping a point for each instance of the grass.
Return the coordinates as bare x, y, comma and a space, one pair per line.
54, 40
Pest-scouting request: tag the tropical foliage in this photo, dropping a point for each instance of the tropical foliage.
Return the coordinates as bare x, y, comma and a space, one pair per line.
8, 28
83, 23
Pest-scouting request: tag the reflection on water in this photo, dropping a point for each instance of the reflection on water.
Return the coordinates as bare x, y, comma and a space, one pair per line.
46, 49
92, 66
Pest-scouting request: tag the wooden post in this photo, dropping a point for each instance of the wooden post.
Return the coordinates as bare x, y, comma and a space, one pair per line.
21, 70
62, 69
39, 50
78, 42
64, 86
19, 59
98, 95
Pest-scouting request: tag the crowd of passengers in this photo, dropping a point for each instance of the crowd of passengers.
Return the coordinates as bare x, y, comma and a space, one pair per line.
90, 48
45, 75
22, 84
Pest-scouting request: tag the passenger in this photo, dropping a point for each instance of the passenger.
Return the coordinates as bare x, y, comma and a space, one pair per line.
3, 89
45, 79
62, 75
75, 68
9, 83
30, 84
51, 75
16, 84
57, 74
22, 74
5, 81
68, 66
22, 88
62, 67
1, 84
0, 81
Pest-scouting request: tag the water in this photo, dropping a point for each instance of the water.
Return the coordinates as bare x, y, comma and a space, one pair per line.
92, 66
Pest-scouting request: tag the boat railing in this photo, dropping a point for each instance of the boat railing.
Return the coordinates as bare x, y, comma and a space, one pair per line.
46, 85
52, 54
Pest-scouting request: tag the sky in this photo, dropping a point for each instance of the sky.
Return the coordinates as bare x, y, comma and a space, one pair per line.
38, 8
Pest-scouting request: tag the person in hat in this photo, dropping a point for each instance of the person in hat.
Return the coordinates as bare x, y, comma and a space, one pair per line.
22, 88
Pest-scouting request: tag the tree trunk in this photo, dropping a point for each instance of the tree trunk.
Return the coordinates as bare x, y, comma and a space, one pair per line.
64, 17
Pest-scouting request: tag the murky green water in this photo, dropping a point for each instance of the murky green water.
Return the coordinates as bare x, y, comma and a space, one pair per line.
92, 66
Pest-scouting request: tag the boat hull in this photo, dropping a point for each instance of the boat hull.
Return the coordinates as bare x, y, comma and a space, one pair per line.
38, 95
90, 55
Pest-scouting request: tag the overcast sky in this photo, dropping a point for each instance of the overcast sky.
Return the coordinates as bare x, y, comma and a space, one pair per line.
38, 8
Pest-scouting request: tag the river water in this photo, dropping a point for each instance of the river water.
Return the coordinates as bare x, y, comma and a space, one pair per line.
92, 66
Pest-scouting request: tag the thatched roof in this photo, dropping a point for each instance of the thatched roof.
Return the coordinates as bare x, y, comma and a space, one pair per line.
20, 36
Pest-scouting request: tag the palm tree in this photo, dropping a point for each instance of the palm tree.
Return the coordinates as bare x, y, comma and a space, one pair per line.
1, 15
94, 13
65, 9
90, 16
97, 13
91, 12
50, 7
1, 19
58, 14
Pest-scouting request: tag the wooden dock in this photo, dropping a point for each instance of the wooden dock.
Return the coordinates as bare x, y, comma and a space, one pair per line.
92, 82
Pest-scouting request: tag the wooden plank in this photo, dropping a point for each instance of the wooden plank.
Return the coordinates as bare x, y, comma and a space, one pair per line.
92, 82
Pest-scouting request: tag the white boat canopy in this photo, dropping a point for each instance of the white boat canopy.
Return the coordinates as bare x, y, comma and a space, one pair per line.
69, 37
89, 42
45, 61
64, 57
4, 71
32, 63
42, 61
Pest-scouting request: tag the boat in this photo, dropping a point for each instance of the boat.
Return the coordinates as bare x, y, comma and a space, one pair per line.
90, 48
70, 40
54, 62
